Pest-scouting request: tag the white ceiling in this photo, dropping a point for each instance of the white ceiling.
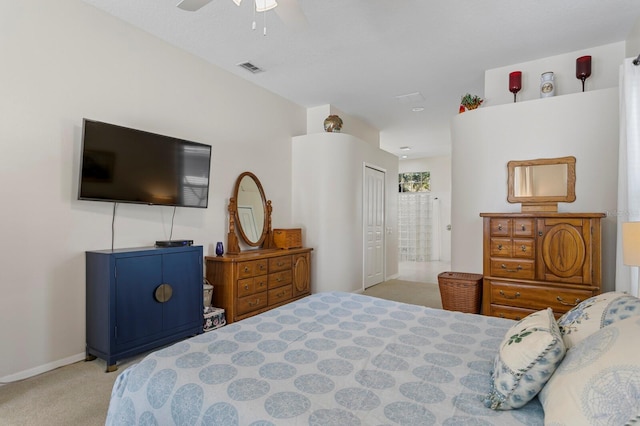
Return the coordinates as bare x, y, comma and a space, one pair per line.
359, 55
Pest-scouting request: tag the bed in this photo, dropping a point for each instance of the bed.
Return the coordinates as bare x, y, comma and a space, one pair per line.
328, 359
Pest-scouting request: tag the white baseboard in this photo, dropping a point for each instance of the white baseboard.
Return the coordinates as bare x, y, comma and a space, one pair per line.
42, 369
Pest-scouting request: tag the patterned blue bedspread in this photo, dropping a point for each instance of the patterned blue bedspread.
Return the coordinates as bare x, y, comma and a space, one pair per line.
328, 359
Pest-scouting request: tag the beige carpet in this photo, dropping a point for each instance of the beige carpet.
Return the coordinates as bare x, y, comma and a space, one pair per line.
78, 394
416, 293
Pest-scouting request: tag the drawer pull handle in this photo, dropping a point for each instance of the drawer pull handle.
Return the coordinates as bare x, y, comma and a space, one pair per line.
524, 248
261, 267
562, 302
254, 303
515, 296
539, 233
246, 269
501, 315
280, 263
280, 294
518, 268
523, 228
279, 279
499, 246
246, 287
499, 227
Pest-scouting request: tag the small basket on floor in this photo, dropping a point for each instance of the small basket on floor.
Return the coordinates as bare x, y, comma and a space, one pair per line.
461, 291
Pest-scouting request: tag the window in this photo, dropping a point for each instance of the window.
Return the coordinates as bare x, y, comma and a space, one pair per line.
414, 182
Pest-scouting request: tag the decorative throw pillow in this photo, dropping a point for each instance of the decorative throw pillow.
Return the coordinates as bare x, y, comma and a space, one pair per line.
598, 382
528, 355
594, 313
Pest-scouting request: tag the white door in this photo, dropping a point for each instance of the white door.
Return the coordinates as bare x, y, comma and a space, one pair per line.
374, 226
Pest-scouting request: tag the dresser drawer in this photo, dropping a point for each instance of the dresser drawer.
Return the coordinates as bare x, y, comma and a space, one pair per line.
509, 312
251, 303
500, 227
252, 268
280, 294
519, 269
523, 227
501, 247
537, 297
279, 279
523, 248
281, 263
253, 285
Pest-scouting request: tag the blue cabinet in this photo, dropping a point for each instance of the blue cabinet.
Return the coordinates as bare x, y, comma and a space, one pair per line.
140, 299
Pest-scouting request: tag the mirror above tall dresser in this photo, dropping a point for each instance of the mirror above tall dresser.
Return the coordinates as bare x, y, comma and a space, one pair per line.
541, 184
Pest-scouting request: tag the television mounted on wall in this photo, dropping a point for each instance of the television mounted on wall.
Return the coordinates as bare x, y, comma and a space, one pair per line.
125, 165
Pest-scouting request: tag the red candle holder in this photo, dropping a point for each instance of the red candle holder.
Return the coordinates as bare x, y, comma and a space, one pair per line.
583, 68
515, 83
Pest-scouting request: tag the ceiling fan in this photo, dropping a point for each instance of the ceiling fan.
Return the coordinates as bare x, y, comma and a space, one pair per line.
288, 10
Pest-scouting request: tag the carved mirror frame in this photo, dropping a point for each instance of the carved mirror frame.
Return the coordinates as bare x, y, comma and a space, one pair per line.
236, 229
543, 202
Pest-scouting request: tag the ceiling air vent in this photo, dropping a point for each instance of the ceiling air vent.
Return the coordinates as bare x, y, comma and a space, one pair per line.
250, 67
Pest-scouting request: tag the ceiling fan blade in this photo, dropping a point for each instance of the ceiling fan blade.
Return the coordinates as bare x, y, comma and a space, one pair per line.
291, 14
193, 5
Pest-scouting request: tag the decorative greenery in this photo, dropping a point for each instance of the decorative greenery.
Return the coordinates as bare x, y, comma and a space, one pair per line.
471, 101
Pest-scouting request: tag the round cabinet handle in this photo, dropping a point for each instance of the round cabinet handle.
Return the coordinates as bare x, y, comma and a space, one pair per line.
261, 267
499, 246
246, 269
515, 296
524, 248
246, 287
518, 268
163, 293
539, 233
499, 227
524, 228
562, 302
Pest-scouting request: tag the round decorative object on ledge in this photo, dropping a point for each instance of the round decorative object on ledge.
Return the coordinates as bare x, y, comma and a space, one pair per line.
333, 123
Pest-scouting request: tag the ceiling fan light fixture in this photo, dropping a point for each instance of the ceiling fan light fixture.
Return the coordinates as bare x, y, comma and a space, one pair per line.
264, 5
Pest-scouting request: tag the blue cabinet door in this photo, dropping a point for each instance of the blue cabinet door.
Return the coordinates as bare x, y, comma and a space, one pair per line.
183, 272
138, 313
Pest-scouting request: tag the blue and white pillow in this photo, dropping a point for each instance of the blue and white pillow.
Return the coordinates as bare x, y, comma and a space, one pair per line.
598, 382
529, 354
595, 313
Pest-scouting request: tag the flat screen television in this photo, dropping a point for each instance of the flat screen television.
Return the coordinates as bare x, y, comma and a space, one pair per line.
125, 165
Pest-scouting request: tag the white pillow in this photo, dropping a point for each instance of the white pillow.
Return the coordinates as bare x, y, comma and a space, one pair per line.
594, 313
598, 382
528, 355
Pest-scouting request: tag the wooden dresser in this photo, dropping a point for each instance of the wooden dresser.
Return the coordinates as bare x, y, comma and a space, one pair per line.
255, 281
537, 260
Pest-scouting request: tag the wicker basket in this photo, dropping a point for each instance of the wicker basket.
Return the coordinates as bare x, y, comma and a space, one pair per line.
461, 291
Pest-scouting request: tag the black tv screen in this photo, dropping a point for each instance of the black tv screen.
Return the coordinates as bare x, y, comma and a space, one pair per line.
125, 165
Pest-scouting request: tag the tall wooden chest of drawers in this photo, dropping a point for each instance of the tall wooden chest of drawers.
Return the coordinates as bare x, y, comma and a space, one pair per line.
537, 260
255, 281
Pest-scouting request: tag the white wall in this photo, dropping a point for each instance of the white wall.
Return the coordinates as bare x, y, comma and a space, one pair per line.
584, 125
327, 204
632, 49
440, 169
64, 60
605, 61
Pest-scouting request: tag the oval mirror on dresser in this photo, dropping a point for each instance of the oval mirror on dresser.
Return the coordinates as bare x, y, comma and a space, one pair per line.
249, 214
